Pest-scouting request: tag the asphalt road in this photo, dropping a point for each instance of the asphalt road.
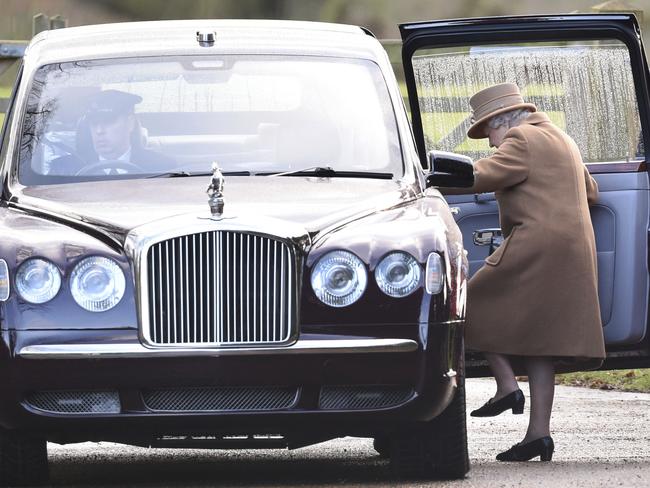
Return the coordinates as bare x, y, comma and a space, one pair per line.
602, 439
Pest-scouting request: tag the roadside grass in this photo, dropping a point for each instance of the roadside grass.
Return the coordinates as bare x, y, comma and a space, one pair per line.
439, 122
5, 92
438, 125
637, 380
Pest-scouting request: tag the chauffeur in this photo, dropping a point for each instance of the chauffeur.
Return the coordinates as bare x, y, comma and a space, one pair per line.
535, 301
109, 139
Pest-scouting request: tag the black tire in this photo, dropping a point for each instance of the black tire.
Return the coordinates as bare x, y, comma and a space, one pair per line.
435, 449
23, 460
382, 446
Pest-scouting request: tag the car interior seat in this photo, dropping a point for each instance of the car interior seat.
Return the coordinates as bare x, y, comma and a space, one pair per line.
308, 139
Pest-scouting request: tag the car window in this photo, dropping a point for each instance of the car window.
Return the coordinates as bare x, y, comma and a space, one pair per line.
585, 87
248, 113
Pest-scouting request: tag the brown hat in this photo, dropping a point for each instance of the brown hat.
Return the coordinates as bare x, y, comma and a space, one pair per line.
493, 101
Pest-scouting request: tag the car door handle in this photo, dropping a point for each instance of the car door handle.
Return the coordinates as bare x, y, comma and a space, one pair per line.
488, 237
483, 197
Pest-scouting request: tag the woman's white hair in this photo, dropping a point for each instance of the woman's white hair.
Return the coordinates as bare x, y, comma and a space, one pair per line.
508, 119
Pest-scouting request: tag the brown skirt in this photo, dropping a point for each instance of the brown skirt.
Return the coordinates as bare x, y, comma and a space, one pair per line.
563, 364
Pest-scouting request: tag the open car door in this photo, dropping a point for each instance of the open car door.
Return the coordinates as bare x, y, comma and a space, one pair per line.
589, 74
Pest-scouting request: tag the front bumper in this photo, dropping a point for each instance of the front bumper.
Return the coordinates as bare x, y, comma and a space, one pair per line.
128, 350
424, 360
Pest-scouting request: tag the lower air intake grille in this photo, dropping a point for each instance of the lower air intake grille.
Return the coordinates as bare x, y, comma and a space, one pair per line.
363, 397
219, 399
75, 402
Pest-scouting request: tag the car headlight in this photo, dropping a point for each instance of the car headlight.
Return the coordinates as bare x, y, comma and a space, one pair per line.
398, 274
38, 280
339, 278
97, 284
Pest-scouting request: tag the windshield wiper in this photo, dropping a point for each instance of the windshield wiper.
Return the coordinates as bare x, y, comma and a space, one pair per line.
181, 174
329, 172
318, 171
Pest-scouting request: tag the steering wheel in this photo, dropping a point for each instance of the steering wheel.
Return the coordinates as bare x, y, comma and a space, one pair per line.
109, 164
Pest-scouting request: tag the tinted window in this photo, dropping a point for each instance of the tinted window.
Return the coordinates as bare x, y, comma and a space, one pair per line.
586, 88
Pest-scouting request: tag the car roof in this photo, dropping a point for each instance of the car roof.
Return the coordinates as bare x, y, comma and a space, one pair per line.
176, 37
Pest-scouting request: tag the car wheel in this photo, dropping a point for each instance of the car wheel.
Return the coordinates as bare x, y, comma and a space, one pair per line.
23, 460
435, 449
382, 446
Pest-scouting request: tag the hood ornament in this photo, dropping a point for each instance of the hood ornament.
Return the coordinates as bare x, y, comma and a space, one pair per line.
215, 191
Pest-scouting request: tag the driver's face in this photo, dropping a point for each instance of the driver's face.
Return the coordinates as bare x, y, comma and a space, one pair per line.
112, 137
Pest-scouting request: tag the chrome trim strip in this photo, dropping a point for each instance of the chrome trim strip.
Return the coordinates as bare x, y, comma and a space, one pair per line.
201, 339
133, 350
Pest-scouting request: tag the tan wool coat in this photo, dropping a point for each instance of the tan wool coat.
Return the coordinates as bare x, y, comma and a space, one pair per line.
537, 294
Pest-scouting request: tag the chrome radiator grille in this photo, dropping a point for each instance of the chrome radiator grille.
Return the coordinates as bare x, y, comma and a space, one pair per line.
220, 288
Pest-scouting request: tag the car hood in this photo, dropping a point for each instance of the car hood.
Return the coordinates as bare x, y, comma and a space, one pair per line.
119, 206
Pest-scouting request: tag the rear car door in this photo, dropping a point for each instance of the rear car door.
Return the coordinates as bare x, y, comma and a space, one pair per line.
590, 75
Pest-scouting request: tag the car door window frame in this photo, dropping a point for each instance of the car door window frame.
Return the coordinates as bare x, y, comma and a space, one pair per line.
528, 29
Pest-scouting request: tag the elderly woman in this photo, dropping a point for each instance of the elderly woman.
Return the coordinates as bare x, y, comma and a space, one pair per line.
535, 302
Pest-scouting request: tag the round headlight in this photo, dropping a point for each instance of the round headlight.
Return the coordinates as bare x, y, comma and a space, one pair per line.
97, 284
38, 281
339, 278
398, 274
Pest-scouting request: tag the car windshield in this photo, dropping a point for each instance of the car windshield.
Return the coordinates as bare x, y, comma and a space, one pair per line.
137, 117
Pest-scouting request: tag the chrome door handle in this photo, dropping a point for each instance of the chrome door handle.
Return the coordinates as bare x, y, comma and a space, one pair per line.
483, 197
488, 237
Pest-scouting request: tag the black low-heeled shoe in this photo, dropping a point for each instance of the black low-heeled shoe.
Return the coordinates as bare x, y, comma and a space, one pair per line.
542, 447
514, 401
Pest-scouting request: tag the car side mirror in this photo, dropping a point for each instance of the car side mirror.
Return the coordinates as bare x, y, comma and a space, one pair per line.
450, 170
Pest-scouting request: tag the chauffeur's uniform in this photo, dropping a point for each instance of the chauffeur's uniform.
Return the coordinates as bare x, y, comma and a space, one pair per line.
105, 106
537, 294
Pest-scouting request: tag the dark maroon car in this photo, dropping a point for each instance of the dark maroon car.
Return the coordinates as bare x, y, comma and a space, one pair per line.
225, 234
316, 290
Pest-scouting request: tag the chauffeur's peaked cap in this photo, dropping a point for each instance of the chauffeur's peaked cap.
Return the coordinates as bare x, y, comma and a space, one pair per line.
112, 102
